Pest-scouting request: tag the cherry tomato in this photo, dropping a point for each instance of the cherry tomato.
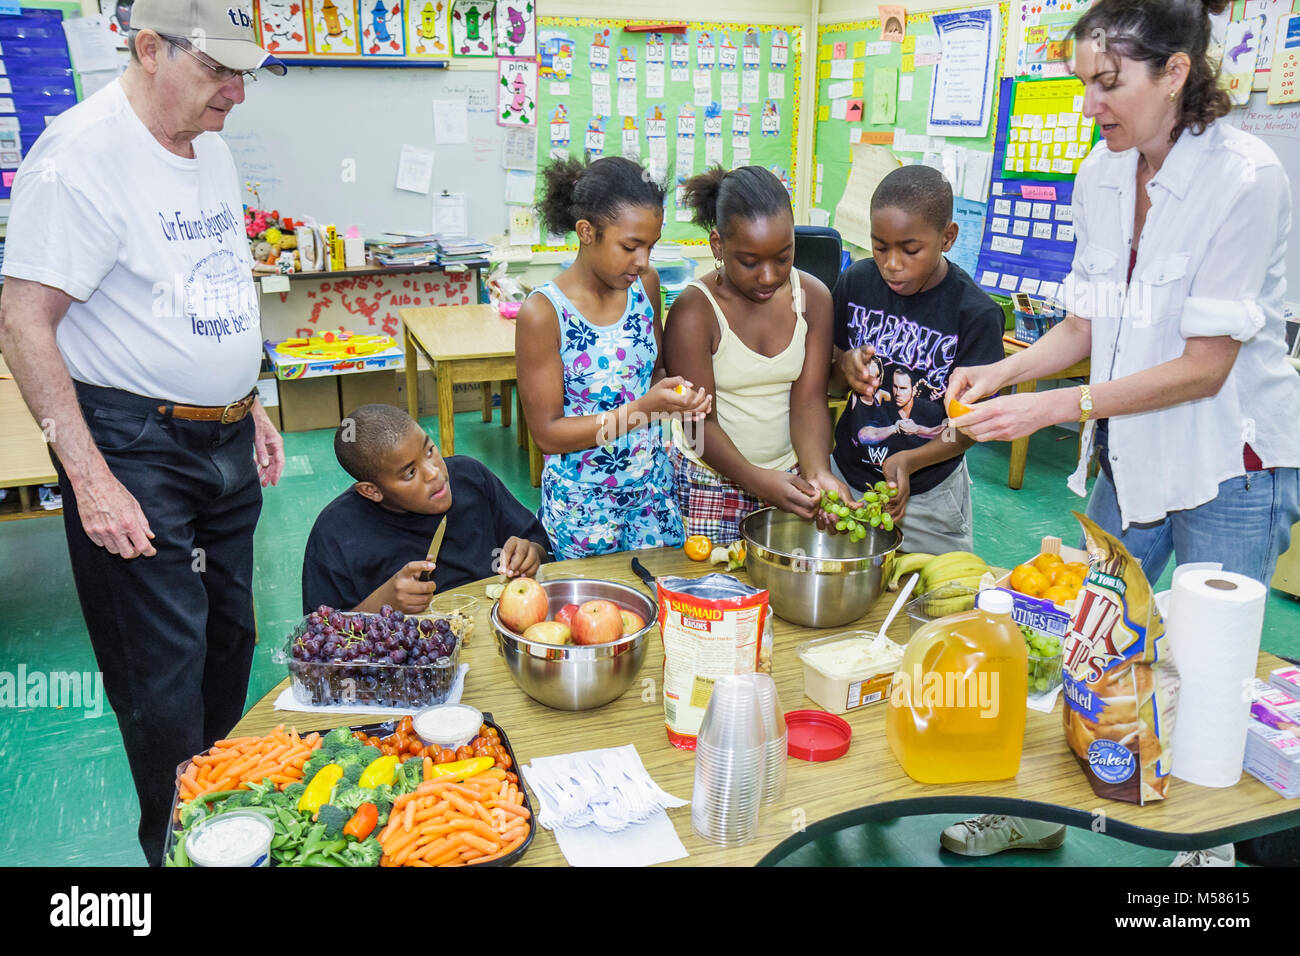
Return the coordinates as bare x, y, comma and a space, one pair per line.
415, 746
360, 735
406, 725
493, 733
513, 778
464, 753
503, 761
446, 756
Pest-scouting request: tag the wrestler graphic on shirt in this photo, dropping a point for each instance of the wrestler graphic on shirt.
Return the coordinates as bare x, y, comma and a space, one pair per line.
907, 404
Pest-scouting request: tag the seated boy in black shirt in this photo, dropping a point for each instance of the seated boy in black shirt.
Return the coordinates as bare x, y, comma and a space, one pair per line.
904, 320
368, 547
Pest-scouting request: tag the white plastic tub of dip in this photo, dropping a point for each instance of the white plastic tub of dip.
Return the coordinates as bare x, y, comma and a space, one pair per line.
849, 670
238, 838
449, 726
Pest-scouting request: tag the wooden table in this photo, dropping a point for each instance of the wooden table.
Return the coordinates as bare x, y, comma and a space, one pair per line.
464, 343
1020, 447
866, 784
24, 454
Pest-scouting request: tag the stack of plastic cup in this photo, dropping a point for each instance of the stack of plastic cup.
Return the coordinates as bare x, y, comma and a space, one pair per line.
730, 758
777, 739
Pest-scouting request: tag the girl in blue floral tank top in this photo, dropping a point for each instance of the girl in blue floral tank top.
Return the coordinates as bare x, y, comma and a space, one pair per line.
594, 404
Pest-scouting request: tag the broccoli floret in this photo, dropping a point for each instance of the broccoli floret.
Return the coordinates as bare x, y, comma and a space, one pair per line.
366, 853
352, 765
293, 793
409, 775
237, 801
348, 796
337, 737
382, 798
334, 818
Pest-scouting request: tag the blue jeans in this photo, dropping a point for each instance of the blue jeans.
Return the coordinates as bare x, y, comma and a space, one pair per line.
1245, 528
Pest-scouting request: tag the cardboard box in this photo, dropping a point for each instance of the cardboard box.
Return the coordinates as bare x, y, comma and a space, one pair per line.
268, 394
309, 403
1048, 619
370, 388
468, 396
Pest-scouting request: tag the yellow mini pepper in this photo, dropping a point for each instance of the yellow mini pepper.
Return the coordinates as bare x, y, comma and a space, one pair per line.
458, 770
318, 791
380, 772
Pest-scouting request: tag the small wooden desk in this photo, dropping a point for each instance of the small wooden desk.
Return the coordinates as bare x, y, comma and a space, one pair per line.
464, 343
1020, 447
866, 784
24, 454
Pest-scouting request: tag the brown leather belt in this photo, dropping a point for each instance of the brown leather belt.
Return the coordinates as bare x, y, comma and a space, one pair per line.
226, 414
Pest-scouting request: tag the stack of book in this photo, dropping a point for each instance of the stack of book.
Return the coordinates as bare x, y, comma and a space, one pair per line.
453, 249
1273, 738
402, 249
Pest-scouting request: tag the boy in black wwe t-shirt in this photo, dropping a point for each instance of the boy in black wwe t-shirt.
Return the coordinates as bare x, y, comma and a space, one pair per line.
903, 321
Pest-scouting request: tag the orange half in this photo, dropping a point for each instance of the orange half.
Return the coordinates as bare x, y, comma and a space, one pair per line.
956, 409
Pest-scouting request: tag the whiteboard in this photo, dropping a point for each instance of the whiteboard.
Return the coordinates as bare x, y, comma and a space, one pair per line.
1279, 126
324, 142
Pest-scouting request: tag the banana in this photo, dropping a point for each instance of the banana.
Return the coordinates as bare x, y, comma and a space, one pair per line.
957, 567
942, 607
907, 564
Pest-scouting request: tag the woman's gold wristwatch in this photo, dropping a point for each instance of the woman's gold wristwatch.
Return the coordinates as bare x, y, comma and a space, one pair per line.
1085, 404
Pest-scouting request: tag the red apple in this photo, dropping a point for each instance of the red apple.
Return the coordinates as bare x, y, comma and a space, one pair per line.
632, 622
548, 632
523, 603
597, 622
565, 615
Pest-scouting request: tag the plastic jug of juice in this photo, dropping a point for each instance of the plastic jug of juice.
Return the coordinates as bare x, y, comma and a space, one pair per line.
957, 702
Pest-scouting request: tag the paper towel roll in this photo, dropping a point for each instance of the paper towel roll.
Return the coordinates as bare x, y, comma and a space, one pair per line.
1214, 625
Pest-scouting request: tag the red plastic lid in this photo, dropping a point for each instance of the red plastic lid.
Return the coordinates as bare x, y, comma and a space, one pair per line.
816, 735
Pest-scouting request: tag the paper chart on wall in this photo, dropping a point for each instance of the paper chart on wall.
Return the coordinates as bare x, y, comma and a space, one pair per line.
871, 164
961, 98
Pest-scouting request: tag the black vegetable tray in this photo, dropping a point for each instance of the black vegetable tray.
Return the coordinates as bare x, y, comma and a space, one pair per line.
383, 729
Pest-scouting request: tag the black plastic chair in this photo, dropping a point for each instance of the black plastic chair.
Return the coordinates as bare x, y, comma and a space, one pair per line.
818, 251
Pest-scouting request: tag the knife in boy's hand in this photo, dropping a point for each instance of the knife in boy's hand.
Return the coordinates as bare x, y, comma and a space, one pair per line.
434, 547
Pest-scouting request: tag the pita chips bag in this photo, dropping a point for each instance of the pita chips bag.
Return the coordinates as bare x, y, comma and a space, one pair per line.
1120, 681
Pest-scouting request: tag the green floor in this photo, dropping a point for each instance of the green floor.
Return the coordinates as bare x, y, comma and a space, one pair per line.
68, 799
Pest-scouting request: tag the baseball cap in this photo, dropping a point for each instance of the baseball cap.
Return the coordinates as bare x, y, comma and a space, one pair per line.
222, 29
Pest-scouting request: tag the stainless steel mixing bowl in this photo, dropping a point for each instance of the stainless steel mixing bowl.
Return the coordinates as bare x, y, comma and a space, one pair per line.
814, 578
573, 676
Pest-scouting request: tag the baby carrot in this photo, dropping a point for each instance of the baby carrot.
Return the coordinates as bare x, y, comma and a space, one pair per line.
409, 823
428, 767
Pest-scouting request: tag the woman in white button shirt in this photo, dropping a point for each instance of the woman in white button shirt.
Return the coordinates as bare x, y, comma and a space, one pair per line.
1176, 295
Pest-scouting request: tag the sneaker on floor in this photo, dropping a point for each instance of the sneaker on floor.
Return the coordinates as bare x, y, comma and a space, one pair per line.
1225, 855
993, 833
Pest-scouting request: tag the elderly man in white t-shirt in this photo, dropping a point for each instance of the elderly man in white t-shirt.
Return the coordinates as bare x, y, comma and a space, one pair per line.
130, 323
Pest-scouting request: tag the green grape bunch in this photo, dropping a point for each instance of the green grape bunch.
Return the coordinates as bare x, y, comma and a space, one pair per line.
870, 514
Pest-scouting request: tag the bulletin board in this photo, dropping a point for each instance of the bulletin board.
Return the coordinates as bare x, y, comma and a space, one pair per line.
1028, 242
745, 110
39, 76
832, 154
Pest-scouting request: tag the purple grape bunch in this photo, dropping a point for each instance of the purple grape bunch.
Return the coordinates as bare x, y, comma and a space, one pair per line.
385, 658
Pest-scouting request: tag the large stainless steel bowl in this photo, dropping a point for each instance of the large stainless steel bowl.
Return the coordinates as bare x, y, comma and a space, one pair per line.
814, 578
572, 676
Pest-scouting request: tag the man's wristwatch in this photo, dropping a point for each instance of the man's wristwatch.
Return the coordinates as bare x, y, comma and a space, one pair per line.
1085, 403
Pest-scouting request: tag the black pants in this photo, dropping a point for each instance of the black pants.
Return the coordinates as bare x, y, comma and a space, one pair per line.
173, 634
